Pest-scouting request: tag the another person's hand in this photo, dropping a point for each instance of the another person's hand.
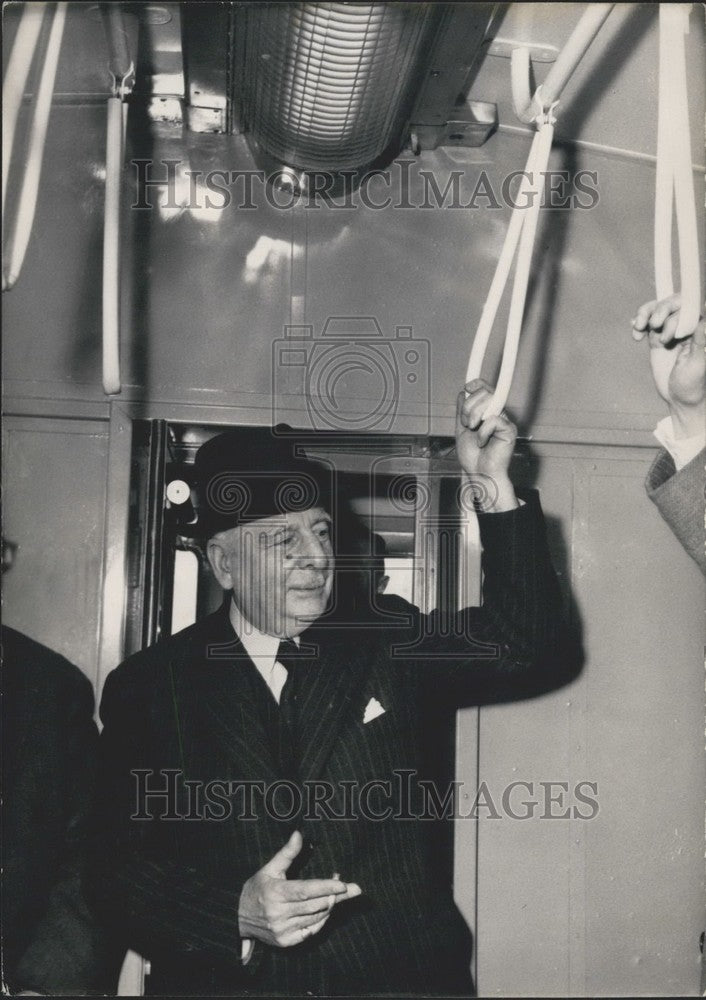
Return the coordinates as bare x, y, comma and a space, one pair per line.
485, 447
284, 912
678, 367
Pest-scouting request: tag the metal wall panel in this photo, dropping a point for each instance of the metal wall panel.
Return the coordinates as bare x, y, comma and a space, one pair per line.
54, 475
611, 905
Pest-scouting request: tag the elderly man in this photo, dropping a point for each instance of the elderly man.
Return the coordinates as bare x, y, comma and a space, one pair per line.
264, 829
50, 944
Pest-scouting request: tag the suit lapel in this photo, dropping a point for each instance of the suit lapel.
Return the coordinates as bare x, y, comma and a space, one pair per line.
234, 696
328, 693
331, 683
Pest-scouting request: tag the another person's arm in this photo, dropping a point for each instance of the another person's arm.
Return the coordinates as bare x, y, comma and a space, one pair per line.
675, 482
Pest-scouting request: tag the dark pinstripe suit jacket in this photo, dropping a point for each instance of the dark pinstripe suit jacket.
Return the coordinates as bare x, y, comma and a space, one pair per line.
172, 887
49, 739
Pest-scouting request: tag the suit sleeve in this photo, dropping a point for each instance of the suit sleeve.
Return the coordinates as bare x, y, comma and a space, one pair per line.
155, 901
679, 497
517, 643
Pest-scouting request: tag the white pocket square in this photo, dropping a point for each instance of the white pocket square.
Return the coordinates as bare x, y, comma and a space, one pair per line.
372, 710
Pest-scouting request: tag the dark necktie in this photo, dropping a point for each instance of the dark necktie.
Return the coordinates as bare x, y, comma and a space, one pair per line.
289, 656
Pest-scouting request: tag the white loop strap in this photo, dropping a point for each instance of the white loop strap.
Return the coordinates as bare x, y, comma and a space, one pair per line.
521, 232
502, 270
674, 182
35, 155
538, 109
122, 69
522, 273
111, 248
15, 81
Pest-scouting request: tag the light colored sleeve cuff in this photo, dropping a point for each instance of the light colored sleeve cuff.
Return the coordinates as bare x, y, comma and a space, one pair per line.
682, 450
248, 946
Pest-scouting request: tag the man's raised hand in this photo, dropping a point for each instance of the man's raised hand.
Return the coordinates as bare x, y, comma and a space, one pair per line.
484, 446
658, 319
678, 367
284, 912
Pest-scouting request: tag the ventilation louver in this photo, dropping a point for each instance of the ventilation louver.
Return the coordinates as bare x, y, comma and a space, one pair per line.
327, 87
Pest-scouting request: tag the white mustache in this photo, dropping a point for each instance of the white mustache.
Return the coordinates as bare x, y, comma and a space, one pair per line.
308, 584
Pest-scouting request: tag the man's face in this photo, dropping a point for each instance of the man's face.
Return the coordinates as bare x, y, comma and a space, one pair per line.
280, 569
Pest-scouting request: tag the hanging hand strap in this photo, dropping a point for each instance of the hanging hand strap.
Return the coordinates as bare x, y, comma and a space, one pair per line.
122, 70
539, 110
15, 81
519, 240
111, 247
35, 155
520, 237
674, 184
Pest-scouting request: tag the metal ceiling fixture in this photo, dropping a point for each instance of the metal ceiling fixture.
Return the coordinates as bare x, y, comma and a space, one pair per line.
328, 87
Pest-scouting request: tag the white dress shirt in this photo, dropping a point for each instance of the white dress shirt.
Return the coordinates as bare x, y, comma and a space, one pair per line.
262, 650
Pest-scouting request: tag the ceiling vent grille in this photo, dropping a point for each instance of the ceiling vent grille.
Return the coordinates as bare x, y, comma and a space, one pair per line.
328, 86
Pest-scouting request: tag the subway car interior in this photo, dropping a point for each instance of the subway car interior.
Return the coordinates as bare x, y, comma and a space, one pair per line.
330, 219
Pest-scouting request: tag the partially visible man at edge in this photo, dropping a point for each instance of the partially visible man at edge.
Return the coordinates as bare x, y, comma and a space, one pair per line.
675, 481
50, 944
264, 899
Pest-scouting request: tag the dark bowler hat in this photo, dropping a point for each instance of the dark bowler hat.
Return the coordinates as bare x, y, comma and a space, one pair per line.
254, 472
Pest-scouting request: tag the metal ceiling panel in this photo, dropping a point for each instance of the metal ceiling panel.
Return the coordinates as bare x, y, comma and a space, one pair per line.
207, 29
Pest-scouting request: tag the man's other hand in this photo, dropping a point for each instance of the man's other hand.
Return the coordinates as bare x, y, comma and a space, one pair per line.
678, 366
284, 912
484, 447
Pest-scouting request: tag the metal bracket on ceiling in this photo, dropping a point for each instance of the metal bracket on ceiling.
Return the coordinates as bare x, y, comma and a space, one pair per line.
470, 124
442, 114
206, 32
504, 47
163, 68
